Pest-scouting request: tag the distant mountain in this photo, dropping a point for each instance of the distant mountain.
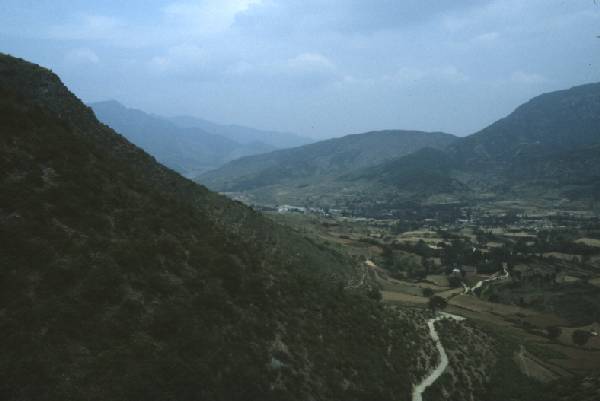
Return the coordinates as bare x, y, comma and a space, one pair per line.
122, 280
189, 151
322, 161
243, 134
548, 147
548, 124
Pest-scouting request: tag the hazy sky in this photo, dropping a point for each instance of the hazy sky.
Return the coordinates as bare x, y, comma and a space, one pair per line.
317, 67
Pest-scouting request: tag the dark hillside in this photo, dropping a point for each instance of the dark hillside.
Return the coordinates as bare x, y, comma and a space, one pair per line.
426, 170
312, 163
548, 147
121, 280
547, 124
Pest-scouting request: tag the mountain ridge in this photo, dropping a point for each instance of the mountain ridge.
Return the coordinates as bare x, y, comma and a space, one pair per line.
546, 148
243, 134
187, 150
326, 158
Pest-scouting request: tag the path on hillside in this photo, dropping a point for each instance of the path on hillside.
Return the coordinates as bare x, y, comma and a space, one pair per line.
494, 277
420, 388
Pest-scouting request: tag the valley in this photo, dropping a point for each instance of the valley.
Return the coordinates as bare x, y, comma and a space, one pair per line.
275, 200
528, 280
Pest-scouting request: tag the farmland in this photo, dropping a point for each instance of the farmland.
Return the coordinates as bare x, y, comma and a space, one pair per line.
551, 289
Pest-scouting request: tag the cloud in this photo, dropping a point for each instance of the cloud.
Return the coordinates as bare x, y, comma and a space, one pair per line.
356, 16
525, 78
311, 63
364, 60
82, 56
89, 27
183, 58
410, 75
486, 38
207, 16
309, 69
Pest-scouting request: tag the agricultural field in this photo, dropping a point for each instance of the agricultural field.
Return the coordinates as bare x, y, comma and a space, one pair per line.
535, 283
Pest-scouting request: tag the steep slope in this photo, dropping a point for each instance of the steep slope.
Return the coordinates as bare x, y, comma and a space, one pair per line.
548, 124
423, 170
186, 150
324, 160
121, 280
241, 134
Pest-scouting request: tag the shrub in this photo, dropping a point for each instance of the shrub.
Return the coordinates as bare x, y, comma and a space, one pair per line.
580, 337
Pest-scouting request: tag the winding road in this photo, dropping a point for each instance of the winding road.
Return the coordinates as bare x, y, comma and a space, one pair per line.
435, 374
420, 388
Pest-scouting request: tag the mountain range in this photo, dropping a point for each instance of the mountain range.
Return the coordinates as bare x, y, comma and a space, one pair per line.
186, 144
319, 164
547, 148
243, 134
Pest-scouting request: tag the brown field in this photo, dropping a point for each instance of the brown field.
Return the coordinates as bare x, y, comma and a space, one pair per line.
507, 312
589, 242
562, 256
594, 341
438, 279
533, 367
398, 297
577, 358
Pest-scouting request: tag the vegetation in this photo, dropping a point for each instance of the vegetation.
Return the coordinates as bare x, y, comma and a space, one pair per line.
436, 302
581, 337
553, 332
307, 165
121, 280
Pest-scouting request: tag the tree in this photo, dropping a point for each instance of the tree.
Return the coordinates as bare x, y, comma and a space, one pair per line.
374, 294
454, 281
553, 332
428, 265
581, 337
427, 292
436, 302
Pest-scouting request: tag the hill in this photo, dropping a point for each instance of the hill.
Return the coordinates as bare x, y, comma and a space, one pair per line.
548, 124
122, 280
318, 163
546, 150
242, 134
189, 151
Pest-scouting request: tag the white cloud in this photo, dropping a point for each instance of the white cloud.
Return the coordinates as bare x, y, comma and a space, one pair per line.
207, 16
412, 75
486, 38
311, 63
525, 78
89, 27
82, 56
180, 59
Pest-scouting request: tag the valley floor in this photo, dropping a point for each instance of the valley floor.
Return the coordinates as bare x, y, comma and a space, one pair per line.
410, 266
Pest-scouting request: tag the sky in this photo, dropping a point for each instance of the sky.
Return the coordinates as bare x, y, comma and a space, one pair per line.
320, 68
